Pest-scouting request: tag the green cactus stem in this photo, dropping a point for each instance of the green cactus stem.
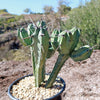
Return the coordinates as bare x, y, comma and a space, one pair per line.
33, 60
40, 51
82, 53
37, 38
51, 50
58, 65
54, 39
68, 40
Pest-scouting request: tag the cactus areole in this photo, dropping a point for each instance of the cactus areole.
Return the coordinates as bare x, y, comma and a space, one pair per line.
43, 46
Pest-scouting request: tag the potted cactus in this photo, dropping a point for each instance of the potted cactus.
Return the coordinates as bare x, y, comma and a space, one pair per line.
43, 46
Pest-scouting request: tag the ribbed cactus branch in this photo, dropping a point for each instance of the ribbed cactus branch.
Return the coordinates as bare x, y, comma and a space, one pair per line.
54, 39
58, 65
51, 50
68, 40
82, 53
33, 60
41, 53
37, 38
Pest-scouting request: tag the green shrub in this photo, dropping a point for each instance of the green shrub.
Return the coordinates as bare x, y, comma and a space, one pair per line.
87, 18
3, 11
11, 20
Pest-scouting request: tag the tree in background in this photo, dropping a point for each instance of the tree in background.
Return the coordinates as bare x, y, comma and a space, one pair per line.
3, 10
63, 7
48, 9
27, 10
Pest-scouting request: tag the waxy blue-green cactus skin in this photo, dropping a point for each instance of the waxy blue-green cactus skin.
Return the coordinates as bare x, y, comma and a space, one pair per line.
43, 46
67, 41
51, 50
82, 53
37, 38
74, 38
58, 65
22, 33
41, 24
54, 39
40, 53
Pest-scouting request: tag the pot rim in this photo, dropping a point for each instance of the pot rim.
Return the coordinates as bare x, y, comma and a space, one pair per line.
14, 82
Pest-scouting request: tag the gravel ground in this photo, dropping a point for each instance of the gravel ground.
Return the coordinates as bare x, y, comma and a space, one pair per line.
82, 78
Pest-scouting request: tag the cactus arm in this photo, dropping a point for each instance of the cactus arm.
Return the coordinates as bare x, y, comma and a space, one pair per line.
58, 65
82, 53
64, 41
68, 40
19, 37
74, 38
31, 31
43, 73
24, 34
38, 68
41, 24
41, 53
51, 51
54, 39
45, 46
33, 60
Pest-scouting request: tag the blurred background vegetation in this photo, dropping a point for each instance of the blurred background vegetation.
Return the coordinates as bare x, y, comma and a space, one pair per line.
86, 17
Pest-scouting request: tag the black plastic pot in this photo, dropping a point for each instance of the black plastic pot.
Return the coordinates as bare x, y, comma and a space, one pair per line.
55, 97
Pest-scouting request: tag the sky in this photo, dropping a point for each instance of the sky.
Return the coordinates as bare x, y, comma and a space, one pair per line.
18, 6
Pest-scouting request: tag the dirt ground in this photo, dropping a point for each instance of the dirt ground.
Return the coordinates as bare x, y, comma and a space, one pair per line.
82, 78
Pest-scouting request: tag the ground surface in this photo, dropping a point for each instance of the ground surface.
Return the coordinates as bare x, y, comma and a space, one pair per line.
82, 78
